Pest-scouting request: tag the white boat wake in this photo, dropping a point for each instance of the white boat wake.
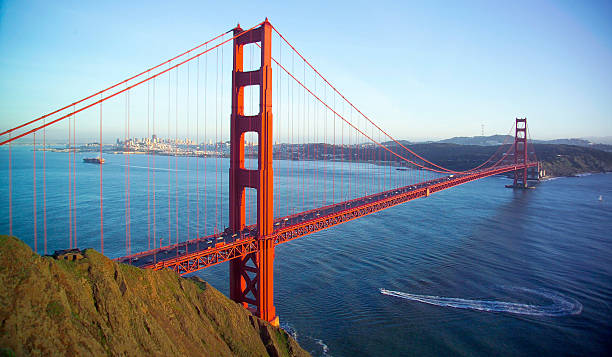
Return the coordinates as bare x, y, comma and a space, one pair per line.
561, 305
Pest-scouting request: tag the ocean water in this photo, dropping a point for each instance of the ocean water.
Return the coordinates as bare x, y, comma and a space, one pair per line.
476, 270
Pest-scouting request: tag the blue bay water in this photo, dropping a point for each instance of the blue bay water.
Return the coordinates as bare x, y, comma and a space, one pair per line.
476, 242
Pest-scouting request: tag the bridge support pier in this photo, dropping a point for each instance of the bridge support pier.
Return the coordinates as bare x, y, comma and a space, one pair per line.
252, 276
251, 281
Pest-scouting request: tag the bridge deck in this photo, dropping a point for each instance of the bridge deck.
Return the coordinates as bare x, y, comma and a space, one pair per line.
187, 257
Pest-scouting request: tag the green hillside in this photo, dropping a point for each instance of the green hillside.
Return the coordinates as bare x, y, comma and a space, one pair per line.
94, 306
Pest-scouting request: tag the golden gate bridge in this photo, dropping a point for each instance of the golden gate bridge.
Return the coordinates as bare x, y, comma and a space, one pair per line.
338, 164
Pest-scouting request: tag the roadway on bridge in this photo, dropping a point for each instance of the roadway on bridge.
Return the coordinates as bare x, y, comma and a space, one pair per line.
168, 256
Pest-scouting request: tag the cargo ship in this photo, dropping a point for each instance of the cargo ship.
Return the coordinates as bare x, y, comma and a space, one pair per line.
94, 160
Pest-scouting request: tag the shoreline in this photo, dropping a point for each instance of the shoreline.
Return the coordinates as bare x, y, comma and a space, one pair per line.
210, 155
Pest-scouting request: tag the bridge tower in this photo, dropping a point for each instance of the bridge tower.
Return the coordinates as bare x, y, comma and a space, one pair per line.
251, 276
520, 152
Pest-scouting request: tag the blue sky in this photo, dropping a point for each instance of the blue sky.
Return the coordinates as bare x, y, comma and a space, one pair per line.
422, 70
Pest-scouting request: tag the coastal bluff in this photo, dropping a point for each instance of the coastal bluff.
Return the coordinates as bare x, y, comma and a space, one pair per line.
95, 306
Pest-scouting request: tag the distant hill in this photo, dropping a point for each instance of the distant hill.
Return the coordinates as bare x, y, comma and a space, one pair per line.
557, 159
493, 140
496, 140
607, 140
577, 142
403, 142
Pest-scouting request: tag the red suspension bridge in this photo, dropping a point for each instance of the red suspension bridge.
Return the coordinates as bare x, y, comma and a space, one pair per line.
333, 163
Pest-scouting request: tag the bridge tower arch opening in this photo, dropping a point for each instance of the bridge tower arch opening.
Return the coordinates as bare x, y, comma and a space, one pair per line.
252, 276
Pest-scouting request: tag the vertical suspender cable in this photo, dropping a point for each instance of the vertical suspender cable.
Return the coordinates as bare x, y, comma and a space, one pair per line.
288, 153
154, 144
125, 171
205, 141
353, 146
324, 148
45, 187
69, 186
169, 167
292, 133
304, 140
298, 174
74, 229
176, 143
334, 170
377, 163
101, 202
221, 135
10, 161
34, 194
342, 194
148, 143
315, 161
217, 143
198, 147
129, 221
364, 163
307, 124
188, 143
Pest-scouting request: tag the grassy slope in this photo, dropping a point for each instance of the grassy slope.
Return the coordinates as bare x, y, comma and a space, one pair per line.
95, 306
